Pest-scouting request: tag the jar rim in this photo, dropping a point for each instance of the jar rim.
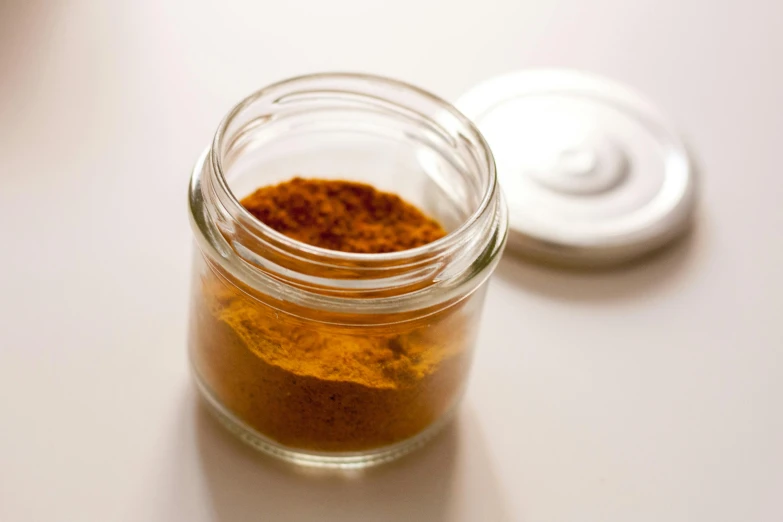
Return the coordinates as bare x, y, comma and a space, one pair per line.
238, 210
271, 264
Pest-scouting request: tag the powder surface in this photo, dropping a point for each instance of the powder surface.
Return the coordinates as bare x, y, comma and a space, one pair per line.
342, 215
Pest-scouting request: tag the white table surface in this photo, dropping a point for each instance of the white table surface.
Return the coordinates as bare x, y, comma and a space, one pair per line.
653, 393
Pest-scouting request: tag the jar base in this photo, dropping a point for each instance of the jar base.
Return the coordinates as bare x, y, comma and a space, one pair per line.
332, 460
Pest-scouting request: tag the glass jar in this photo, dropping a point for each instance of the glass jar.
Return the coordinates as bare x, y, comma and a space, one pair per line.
330, 358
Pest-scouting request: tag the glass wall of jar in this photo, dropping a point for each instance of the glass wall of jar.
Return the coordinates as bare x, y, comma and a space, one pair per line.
331, 358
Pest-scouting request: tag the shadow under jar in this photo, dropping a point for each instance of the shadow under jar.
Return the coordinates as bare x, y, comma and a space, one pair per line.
330, 358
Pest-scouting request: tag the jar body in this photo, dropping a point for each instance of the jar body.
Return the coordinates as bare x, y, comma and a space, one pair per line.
327, 358
312, 385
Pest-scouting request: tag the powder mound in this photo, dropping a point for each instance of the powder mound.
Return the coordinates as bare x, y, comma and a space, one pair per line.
389, 360
342, 215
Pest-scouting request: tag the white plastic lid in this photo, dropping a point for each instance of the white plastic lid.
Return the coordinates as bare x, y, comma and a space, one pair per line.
592, 173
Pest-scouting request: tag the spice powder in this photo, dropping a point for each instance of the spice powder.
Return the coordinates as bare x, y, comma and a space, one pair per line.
309, 383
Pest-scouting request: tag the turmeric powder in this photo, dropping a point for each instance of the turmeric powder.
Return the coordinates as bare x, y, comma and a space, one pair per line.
319, 386
342, 215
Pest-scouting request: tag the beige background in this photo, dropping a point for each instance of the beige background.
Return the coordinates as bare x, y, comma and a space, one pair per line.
647, 394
